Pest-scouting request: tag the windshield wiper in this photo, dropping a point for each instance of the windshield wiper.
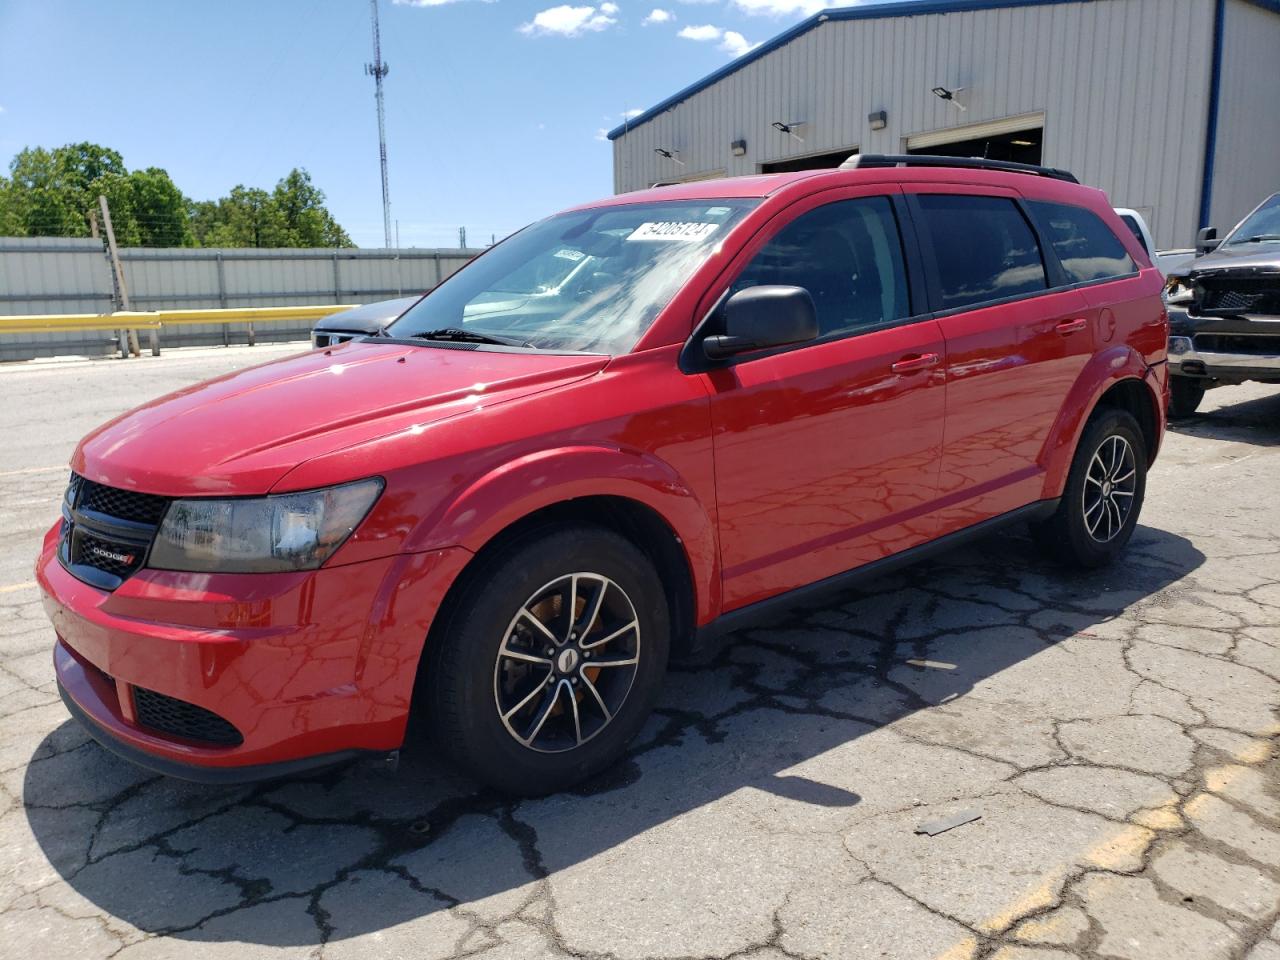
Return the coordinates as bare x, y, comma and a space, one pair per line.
458, 335
1259, 238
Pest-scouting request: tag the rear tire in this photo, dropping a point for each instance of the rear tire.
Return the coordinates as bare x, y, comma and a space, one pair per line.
1099, 507
530, 700
1185, 397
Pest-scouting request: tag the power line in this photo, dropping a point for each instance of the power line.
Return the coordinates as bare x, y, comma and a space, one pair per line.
378, 70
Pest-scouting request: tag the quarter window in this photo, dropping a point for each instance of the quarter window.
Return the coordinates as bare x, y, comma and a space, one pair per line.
848, 255
1085, 245
984, 248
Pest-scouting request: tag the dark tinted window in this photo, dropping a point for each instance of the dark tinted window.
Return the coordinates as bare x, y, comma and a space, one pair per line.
984, 247
1132, 224
1084, 244
848, 255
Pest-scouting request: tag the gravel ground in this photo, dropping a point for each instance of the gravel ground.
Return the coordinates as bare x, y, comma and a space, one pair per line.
1115, 733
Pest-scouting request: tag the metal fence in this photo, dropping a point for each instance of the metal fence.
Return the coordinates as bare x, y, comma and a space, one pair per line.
40, 275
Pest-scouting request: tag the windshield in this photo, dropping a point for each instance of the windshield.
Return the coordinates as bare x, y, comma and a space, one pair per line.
589, 280
1261, 225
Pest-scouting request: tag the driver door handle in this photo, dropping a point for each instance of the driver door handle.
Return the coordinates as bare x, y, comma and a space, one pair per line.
1072, 326
919, 361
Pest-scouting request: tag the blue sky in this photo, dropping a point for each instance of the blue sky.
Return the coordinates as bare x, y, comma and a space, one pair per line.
495, 110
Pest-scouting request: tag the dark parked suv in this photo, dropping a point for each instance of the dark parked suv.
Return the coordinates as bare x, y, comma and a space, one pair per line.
623, 429
1225, 310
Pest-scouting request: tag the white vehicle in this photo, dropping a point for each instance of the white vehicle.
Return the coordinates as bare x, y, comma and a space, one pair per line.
1166, 261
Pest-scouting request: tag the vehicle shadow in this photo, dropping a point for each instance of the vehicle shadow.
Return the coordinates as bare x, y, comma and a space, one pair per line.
769, 711
1255, 421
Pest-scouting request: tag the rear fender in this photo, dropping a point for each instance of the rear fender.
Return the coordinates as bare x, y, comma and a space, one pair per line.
1103, 371
491, 504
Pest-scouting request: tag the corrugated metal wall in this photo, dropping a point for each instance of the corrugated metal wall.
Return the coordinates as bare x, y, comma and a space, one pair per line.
1123, 85
50, 275
1247, 155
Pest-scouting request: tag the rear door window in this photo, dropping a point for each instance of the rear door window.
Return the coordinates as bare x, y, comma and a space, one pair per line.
984, 248
1085, 245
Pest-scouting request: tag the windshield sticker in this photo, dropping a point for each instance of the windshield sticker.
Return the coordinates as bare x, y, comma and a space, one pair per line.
718, 211
569, 254
681, 231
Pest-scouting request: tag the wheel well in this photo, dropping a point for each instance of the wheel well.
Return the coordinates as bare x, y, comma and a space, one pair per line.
1134, 397
640, 524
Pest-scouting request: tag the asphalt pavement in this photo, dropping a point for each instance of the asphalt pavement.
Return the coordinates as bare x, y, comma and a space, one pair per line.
1105, 744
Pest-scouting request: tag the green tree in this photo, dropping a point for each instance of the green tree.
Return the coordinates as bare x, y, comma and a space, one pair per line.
307, 223
53, 193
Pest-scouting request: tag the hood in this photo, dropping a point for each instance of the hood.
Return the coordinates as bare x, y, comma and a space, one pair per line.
1245, 259
240, 434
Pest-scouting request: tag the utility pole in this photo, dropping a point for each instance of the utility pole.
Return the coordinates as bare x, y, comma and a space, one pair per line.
128, 338
462, 238
378, 70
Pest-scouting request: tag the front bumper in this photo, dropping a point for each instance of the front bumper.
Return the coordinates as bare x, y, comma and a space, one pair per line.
1186, 361
308, 667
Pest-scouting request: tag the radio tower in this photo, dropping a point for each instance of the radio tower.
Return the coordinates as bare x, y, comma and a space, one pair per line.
378, 70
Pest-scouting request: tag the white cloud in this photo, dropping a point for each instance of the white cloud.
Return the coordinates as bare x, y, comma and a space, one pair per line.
427, 3
658, 15
567, 21
731, 41
632, 113
703, 33
735, 43
602, 135
779, 8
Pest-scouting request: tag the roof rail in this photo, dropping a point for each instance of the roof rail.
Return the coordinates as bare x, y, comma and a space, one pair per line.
865, 161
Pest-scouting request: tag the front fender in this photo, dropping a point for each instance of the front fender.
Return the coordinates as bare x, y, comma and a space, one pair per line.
484, 508
1103, 371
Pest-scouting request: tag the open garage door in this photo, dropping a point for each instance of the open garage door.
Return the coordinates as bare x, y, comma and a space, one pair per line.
1020, 139
814, 161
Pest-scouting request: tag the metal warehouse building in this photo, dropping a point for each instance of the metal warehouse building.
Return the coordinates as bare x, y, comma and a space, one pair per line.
1171, 106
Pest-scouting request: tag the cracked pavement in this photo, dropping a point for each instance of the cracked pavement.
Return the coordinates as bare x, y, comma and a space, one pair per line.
1116, 732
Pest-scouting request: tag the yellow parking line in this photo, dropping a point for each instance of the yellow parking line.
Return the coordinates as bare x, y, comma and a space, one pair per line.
14, 473
10, 588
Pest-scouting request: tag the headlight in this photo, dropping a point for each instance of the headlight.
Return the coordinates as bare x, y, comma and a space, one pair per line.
292, 531
1177, 291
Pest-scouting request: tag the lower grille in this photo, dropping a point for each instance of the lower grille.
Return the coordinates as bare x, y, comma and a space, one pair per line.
181, 719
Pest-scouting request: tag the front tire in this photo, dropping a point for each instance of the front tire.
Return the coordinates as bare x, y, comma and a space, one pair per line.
551, 660
1185, 395
1099, 507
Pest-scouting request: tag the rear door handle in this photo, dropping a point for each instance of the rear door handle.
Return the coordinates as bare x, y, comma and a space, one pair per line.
918, 362
1072, 326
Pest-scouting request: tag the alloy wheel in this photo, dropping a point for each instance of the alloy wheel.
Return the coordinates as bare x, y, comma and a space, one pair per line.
1109, 488
567, 662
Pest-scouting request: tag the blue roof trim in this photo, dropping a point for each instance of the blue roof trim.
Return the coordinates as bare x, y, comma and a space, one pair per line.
900, 8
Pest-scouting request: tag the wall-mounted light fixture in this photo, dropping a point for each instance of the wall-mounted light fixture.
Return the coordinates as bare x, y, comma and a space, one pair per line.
878, 119
950, 96
791, 128
738, 148
669, 155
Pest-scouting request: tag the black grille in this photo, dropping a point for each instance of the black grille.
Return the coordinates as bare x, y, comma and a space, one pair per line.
106, 532
1229, 343
118, 559
123, 504
1241, 294
181, 719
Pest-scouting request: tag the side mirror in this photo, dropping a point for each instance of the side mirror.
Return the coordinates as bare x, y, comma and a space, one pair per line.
1206, 240
761, 317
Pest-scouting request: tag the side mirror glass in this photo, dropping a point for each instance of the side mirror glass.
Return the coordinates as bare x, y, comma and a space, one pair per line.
1206, 240
758, 318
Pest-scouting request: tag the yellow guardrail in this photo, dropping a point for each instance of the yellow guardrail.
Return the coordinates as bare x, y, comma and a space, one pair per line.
157, 319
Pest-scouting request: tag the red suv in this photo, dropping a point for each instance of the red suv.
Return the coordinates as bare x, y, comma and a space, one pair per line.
626, 427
